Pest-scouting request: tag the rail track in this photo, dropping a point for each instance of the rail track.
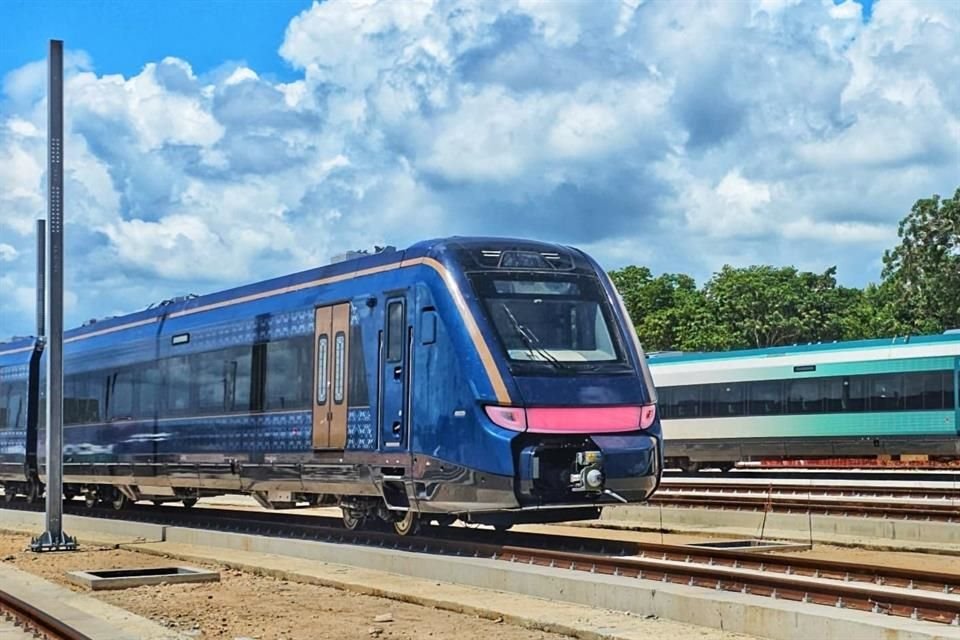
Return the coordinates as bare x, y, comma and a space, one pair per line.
929, 596
34, 622
927, 502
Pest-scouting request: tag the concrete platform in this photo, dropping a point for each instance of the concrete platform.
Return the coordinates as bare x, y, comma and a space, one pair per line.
867, 533
753, 615
86, 530
90, 616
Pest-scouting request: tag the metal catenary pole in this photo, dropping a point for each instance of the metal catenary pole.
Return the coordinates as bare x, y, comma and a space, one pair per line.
54, 539
41, 278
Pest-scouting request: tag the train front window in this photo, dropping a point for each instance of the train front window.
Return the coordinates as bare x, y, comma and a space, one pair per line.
561, 321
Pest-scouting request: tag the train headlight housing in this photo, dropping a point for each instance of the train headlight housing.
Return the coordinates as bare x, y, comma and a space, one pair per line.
648, 414
514, 418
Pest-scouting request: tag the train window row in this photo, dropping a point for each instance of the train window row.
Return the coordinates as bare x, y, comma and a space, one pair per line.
13, 405
914, 391
263, 377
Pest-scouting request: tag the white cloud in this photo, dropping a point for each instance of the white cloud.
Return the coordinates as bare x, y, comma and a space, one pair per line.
7, 253
774, 131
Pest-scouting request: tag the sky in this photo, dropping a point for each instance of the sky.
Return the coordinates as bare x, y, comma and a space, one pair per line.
211, 144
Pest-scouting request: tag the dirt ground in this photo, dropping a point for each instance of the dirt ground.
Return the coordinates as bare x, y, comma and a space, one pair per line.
247, 606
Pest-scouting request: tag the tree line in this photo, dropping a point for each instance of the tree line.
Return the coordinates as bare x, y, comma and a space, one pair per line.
767, 306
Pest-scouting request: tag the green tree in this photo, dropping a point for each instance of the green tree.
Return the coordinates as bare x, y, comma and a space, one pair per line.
922, 273
870, 313
667, 310
763, 306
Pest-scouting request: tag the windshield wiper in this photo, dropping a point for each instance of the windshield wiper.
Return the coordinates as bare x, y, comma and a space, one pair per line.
532, 342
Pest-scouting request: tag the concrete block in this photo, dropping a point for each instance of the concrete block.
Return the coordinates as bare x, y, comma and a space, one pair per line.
88, 530
128, 578
943, 537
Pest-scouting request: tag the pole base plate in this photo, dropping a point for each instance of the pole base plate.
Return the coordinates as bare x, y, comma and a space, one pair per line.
48, 541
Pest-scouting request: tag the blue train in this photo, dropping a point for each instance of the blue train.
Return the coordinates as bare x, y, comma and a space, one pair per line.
492, 380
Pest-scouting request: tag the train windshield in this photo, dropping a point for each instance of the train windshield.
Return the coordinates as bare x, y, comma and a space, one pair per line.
554, 321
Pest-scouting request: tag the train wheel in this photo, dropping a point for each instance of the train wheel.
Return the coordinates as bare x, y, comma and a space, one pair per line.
33, 491
408, 525
502, 527
8, 494
157, 503
351, 522
119, 500
189, 502
90, 499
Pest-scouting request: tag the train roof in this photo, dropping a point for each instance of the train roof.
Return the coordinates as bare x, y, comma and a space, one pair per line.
357, 262
949, 337
17, 344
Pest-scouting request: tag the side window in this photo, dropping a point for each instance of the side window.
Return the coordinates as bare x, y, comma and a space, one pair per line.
832, 391
71, 401
289, 373
238, 368
687, 401
149, 388
207, 371
803, 396
855, 393
665, 402
121, 398
886, 392
358, 394
395, 331
13, 405
766, 398
949, 401
727, 399
178, 385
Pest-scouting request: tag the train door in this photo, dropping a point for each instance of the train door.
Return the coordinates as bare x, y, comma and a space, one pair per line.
394, 375
331, 352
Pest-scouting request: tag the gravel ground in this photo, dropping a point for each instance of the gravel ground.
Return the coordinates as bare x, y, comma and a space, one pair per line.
246, 606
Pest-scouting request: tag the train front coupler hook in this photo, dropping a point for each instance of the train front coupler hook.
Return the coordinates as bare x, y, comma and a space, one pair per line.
588, 475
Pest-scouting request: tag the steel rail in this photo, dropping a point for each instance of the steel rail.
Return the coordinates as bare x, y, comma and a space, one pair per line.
793, 489
794, 504
37, 621
923, 595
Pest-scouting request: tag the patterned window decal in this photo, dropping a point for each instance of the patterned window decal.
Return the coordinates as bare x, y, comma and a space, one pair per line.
322, 350
340, 343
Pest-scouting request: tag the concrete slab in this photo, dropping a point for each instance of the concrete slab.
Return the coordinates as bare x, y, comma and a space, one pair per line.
128, 578
754, 615
869, 533
88, 615
87, 530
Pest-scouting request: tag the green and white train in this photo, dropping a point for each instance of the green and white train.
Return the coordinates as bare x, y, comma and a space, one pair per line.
890, 401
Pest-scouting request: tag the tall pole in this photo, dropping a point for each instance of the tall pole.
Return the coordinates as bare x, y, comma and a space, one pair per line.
41, 278
53, 539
